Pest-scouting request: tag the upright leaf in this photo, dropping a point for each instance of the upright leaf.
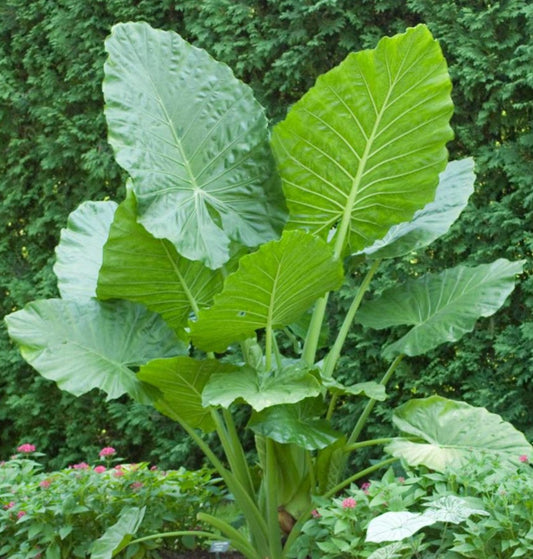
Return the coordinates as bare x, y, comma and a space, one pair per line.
271, 289
450, 432
362, 150
79, 252
441, 307
138, 267
195, 142
456, 184
181, 381
86, 345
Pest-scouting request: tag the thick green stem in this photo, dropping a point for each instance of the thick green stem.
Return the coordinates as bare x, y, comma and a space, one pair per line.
371, 442
371, 402
313, 334
271, 482
334, 354
268, 348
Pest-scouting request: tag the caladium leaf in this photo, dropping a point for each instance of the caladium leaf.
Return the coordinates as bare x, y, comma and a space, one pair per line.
79, 252
441, 307
195, 142
260, 390
290, 424
396, 526
181, 381
86, 345
271, 288
451, 431
138, 267
363, 149
456, 184
454, 509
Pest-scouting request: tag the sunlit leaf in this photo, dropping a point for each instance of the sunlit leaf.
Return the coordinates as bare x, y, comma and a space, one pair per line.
195, 142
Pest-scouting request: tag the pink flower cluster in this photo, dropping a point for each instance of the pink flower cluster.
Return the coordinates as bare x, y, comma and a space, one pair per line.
523, 458
349, 503
107, 451
26, 448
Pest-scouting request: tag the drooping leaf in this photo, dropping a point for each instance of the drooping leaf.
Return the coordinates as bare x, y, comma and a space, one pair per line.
451, 431
290, 424
371, 389
396, 526
140, 268
441, 307
86, 345
181, 381
79, 252
117, 536
271, 289
260, 390
456, 184
364, 147
330, 464
195, 142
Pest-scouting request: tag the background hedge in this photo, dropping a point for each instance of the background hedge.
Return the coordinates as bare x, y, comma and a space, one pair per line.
54, 154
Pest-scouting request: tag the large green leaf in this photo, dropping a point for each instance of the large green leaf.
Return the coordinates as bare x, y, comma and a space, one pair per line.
260, 390
140, 268
79, 252
181, 381
451, 431
271, 289
86, 345
195, 142
117, 536
291, 424
441, 307
362, 150
456, 184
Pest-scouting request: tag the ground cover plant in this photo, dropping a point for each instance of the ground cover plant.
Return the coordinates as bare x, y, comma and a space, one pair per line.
64, 514
226, 247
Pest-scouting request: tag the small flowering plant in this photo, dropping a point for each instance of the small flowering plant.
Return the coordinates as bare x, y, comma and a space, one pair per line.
63, 513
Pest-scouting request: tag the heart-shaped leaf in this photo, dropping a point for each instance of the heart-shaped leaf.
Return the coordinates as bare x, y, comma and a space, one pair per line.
195, 142
86, 345
79, 252
271, 289
290, 424
451, 431
260, 390
442, 307
140, 268
181, 381
456, 184
451, 508
363, 149
396, 526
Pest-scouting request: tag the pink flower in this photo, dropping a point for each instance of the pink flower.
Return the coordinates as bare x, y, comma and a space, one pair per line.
153, 468
136, 485
46, 483
99, 469
523, 458
118, 471
9, 505
401, 479
349, 503
81, 466
107, 451
21, 513
315, 514
26, 448
365, 487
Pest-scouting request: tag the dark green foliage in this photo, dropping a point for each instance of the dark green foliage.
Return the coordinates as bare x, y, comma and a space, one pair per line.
54, 154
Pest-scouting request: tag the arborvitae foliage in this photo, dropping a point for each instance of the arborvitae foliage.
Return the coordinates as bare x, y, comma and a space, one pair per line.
54, 154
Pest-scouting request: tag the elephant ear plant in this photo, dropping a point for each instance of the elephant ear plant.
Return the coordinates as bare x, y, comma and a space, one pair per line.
231, 237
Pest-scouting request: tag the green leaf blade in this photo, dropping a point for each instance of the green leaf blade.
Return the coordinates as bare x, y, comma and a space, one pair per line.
451, 431
79, 252
373, 172
271, 289
140, 268
89, 345
195, 142
441, 307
